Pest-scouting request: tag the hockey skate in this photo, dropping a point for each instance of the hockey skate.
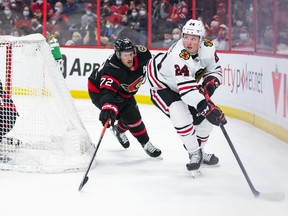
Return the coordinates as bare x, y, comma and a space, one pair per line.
210, 160
195, 162
151, 150
122, 138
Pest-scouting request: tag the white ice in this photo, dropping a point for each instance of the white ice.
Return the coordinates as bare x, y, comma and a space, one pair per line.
127, 182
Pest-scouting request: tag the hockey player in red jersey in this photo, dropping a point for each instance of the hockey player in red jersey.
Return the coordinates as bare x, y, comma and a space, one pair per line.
179, 80
8, 113
112, 89
8, 116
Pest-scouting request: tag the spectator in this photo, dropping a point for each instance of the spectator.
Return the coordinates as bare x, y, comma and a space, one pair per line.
165, 9
168, 40
16, 32
245, 42
36, 26
221, 42
142, 27
24, 22
221, 12
213, 29
16, 6
90, 37
133, 19
178, 12
8, 20
71, 8
268, 38
119, 7
89, 17
75, 40
59, 21
176, 34
73, 11
37, 8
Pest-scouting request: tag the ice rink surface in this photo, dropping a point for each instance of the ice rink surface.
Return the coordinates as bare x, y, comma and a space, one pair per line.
127, 182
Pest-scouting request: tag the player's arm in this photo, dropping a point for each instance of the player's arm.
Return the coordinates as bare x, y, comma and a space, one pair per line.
109, 85
212, 77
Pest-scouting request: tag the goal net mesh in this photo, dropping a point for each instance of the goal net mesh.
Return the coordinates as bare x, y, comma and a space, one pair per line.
48, 135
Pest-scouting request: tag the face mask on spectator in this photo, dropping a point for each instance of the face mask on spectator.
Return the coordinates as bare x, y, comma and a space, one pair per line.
26, 13
7, 12
142, 12
58, 9
167, 40
239, 23
88, 12
40, 2
176, 36
243, 36
134, 14
118, 2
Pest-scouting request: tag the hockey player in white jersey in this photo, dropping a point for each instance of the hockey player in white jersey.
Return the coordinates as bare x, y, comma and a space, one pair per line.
180, 79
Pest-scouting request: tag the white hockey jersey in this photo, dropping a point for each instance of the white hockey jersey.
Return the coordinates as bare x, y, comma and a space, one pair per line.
180, 71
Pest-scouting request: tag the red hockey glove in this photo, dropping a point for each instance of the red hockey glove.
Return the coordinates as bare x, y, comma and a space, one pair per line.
209, 85
211, 112
108, 111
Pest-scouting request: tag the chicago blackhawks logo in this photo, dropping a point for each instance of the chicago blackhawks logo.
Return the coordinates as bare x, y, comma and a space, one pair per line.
184, 54
208, 43
133, 87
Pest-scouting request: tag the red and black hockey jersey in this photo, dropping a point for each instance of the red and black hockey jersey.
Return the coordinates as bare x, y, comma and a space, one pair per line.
114, 79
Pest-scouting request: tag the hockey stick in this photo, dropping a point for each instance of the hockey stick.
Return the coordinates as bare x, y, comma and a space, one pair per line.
276, 196
86, 178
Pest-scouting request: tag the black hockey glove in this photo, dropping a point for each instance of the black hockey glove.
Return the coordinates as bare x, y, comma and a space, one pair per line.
211, 112
108, 111
209, 85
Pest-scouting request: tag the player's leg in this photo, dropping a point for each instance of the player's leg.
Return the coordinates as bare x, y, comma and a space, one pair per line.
130, 118
172, 106
203, 130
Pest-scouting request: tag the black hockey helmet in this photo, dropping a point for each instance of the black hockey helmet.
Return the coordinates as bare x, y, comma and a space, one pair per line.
122, 45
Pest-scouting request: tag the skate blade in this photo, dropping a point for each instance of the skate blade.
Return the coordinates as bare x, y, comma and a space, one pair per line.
195, 173
157, 158
210, 166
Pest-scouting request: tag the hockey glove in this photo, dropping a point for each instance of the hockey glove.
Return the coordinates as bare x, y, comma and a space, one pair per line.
211, 112
108, 111
209, 85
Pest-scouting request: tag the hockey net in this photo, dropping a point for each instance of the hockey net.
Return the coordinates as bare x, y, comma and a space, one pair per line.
48, 135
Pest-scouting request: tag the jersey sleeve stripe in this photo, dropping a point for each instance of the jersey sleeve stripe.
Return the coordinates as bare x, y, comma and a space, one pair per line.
159, 102
152, 75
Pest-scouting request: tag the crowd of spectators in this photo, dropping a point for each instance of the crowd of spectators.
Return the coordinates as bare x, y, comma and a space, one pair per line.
74, 22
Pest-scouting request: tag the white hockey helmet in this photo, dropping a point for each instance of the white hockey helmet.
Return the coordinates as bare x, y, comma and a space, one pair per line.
194, 27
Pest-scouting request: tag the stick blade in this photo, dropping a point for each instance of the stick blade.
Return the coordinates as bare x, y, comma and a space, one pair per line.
276, 196
83, 183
